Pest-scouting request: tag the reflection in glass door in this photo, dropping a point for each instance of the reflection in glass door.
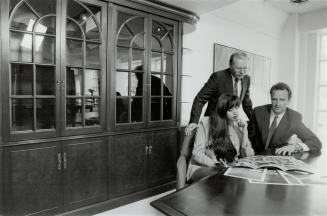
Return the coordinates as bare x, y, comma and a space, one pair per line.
130, 68
162, 71
32, 66
83, 65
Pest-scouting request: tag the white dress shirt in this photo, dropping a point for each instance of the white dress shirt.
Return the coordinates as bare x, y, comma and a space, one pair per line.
280, 116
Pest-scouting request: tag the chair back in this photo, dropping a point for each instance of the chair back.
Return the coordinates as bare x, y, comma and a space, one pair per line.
183, 160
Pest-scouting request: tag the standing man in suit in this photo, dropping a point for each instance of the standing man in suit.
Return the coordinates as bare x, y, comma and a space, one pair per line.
232, 80
279, 128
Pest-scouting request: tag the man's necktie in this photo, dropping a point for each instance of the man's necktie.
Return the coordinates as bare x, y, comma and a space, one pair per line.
271, 131
235, 92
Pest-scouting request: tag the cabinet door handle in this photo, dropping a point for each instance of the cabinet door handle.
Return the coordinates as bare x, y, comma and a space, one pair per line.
59, 161
65, 160
150, 149
146, 149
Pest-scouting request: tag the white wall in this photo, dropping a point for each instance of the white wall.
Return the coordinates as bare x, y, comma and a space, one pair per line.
287, 58
298, 60
246, 30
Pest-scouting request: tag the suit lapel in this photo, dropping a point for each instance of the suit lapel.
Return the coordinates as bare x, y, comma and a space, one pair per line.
265, 122
229, 82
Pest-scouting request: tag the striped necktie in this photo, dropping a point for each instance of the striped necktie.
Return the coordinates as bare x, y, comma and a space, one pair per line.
271, 132
235, 89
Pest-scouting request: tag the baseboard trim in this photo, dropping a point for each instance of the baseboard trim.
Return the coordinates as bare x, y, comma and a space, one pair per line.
120, 201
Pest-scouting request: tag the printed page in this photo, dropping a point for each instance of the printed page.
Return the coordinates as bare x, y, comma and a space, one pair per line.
245, 173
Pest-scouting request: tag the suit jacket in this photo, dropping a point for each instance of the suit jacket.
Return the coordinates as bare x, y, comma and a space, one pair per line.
220, 82
290, 124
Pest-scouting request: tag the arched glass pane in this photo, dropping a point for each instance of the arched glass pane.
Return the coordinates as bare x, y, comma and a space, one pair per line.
45, 113
137, 109
158, 30
93, 57
47, 25
155, 109
45, 80
43, 7
13, 3
122, 104
155, 84
167, 108
137, 59
122, 58
21, 79
137, 84
91, 30
73, 30
155, 44
168, 63
22, 114
139, 41
167, 85
92, 110
77, 12
23, 19
74, 112
20, 47
74, 53
122, 83
74, 79
121, 18
44, 51
167, 44
156, 62
136, 25
124, 37
92, 83
95, 10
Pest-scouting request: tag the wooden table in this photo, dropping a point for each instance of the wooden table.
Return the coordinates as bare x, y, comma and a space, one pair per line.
224, 195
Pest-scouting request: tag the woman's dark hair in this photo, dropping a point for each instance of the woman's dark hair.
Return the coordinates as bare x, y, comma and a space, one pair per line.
220, 141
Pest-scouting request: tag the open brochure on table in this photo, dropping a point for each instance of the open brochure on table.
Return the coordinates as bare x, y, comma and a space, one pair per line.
281, 170
284, 163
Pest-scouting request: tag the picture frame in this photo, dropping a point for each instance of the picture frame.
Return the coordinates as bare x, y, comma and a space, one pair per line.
258, 70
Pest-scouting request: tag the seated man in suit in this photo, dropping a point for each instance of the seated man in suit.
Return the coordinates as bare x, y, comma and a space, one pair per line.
279, 128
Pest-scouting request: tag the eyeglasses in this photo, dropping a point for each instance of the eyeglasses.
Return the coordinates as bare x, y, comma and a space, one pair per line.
240, 68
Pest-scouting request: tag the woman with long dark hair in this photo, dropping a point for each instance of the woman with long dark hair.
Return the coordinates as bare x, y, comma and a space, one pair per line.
222, 137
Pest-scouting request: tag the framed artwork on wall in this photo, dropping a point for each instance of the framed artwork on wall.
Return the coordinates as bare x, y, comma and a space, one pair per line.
258, 70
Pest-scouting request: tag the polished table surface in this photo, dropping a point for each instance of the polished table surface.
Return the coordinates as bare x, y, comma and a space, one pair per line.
224, 195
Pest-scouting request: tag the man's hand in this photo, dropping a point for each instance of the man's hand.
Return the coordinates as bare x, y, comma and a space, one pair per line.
294, 140
190, 128
288, 149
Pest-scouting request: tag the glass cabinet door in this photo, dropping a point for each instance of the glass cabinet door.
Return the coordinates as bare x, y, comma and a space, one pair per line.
146, 70
130, 68
83, 74
57, 67
33, 68
162, 71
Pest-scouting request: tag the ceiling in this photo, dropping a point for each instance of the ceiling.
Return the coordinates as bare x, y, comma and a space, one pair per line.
309, 6
205, 6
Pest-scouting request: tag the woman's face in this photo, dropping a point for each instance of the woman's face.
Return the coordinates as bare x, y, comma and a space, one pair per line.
232, 114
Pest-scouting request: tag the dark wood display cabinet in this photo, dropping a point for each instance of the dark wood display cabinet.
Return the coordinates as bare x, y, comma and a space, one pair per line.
90, 102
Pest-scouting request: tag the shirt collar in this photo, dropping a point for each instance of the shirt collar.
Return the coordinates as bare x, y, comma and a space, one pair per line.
280, 116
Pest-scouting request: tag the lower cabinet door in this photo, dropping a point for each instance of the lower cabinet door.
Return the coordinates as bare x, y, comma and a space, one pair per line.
127, 164
162, 157
32, 179
85, 172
